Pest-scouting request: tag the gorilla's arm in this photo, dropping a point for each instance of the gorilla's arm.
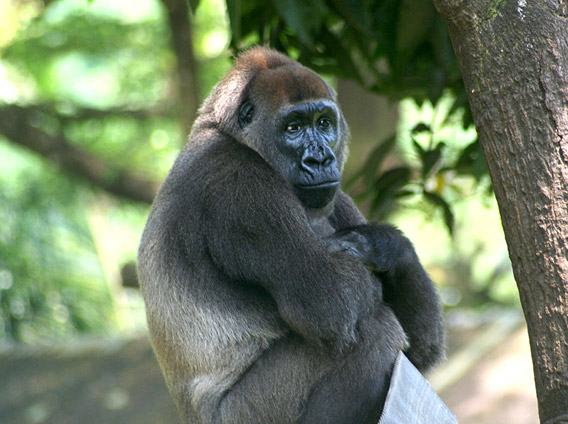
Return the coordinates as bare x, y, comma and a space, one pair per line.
407, 288
257, 233
345, 213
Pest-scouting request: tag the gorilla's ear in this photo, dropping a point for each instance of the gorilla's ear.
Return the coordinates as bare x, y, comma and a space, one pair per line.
246, 113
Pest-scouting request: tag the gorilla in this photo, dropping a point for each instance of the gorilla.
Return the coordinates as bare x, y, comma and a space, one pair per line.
269, 298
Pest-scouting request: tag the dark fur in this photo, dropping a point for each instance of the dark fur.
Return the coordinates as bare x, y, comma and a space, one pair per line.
262, 310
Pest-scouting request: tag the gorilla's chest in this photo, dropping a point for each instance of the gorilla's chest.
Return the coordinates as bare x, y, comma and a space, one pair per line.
321, 227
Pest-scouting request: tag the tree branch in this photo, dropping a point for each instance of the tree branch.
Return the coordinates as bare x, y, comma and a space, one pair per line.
88, 113
16, 124
179, 19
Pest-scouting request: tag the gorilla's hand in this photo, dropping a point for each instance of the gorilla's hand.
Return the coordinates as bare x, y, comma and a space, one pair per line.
353, 242
383, 248
407, 288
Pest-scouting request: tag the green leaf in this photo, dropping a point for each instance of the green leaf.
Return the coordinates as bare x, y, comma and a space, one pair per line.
342, 60
304, 17
471, 161
395, 177
414, 23
356, 14
386, 189
377, 157
419, 149
467, 156
430, 158
438, 201
374, 162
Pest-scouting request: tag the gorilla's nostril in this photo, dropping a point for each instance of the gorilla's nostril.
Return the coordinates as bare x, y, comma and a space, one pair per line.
317, 157
311, 161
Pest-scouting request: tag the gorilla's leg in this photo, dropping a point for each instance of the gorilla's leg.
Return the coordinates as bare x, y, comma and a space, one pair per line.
355, 391
297, 382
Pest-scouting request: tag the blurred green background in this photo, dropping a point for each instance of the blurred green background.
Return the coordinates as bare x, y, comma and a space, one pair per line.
99, 78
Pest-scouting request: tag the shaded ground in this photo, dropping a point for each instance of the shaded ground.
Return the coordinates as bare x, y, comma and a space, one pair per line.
486, 380
117, 382
499, 388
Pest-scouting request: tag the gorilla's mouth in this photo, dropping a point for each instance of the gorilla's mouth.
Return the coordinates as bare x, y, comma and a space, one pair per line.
316, 196
325, 184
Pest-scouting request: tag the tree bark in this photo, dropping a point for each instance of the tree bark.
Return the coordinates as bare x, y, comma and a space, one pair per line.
514, 60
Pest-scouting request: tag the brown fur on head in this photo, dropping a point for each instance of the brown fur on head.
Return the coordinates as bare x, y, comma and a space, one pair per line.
272, 81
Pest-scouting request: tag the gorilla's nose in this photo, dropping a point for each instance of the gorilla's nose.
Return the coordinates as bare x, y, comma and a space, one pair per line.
316, 157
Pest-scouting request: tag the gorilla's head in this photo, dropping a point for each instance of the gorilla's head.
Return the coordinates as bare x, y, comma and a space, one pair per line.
289, 115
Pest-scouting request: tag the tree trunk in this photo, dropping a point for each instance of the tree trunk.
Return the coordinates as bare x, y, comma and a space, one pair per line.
514, 60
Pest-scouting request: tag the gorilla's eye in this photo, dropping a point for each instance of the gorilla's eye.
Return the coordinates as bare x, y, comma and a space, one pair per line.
324, 122
293, 127
246, 113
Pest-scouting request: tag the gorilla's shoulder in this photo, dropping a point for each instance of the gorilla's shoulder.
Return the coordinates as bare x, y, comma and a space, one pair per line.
223, 165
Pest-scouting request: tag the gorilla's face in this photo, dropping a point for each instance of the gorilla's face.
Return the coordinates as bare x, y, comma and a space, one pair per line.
291, 119
309, 135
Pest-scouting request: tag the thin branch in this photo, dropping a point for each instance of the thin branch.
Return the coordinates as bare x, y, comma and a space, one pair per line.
16, 124
89, 113
179, 19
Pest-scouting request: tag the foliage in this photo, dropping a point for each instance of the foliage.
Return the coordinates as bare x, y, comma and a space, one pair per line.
396, 48
103, 82
434, 176
51, 282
